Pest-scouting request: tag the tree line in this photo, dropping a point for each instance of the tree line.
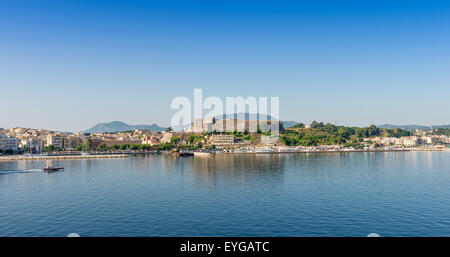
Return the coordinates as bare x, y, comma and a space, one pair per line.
329, 134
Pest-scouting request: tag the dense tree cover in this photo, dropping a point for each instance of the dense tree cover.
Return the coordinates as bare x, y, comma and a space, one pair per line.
194, 139
88, 145
299, 125
329, 134
9, 151
397, 132
441, 131
175, 140
194, 142
102, 147
50, 148
310, 137
210, 147
146, 147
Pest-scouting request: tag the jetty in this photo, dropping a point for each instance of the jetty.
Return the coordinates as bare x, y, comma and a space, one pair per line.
202, 154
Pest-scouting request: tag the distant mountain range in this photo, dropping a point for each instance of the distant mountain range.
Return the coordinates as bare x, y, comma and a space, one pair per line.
412, 127
116, 126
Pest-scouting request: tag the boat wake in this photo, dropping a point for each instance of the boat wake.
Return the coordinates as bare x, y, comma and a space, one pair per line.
3, 172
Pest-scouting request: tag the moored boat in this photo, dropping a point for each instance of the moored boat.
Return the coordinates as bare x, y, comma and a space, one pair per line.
178, 153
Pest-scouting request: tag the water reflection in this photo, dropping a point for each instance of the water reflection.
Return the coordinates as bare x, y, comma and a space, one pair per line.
227, 163
238, 168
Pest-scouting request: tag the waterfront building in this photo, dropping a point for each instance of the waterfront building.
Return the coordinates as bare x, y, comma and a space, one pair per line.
71, 142
443, 139
56, 140
431, 140
410, 141
96, 142
32, 144
151, 140
373, 140
12, 143
386, 141
8, 143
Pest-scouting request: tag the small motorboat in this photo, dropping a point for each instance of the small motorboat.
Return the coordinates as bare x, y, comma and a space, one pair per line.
53, 168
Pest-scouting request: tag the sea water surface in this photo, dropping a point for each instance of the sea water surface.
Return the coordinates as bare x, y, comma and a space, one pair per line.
336, 194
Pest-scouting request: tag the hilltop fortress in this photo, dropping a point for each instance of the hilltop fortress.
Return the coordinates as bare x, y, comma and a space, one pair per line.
233, 124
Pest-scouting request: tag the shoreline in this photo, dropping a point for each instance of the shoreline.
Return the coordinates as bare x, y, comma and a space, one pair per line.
343, 151
338, 151
322, 152
61, 157
112, 156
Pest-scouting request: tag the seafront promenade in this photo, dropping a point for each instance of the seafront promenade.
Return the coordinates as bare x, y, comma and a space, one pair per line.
61, 157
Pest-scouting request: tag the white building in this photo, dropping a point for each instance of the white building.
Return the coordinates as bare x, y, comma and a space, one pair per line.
432, 140
8, 143
410, 141
389, 141
33, 144
56, 140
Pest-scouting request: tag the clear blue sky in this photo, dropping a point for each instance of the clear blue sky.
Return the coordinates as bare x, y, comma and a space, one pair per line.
67, 65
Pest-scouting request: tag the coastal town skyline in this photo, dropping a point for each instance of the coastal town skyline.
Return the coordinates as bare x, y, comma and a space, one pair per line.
234, 135
160, 127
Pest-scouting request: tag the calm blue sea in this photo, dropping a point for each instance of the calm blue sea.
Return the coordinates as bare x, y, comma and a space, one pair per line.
338, 194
